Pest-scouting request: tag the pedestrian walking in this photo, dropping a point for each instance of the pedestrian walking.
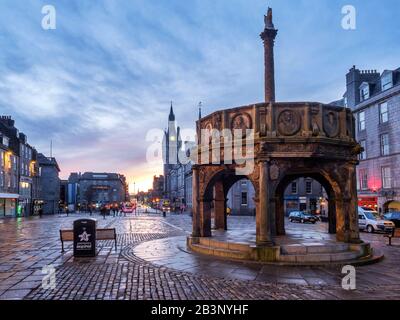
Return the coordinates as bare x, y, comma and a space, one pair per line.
103, 212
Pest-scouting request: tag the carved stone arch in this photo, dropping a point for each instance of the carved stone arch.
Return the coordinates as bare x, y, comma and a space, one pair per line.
208, 175
323, 176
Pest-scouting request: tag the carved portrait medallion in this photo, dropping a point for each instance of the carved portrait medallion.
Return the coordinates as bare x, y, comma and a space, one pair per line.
289, 122
331, 123
241, 122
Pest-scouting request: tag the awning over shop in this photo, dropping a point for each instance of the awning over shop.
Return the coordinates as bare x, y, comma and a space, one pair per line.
9, 196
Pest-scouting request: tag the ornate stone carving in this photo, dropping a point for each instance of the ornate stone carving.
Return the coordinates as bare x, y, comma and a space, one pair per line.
274, 172
315, 129
357, 150
242, 122
217, 121
208, 126
331, 123
315, 110
289, 122
349, 124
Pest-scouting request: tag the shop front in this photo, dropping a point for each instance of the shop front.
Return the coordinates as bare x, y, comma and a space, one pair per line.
291, 204
8, 205
368, 202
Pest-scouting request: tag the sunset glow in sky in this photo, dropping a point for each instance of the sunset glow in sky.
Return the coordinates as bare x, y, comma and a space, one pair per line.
107, 74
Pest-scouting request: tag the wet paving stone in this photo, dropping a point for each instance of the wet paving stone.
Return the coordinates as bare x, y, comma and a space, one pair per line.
152, 262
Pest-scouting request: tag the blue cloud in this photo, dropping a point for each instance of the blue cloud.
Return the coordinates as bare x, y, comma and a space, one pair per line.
97, 83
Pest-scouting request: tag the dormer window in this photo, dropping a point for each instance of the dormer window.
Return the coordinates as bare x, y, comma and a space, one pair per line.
6, 141
364, 91
387, 80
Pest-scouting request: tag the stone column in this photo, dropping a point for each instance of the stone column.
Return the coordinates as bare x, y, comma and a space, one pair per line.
268, 36
346, 206
340, 218
352, 204
205, 218
332, 213
264, 236
195, 201
280, 215
226, 214
219, 206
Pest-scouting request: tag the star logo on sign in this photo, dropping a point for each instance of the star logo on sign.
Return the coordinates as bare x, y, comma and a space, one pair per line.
84, 236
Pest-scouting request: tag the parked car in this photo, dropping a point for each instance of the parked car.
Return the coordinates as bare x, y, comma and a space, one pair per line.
370, 221
394, 217
302, 217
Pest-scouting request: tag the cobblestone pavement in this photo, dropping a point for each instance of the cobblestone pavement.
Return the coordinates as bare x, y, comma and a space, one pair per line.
26, 245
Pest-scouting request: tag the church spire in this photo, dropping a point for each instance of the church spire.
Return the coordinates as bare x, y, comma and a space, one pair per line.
171, 114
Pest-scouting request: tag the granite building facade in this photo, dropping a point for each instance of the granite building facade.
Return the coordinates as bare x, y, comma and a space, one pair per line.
302, 194
21, 171
96, 189
50, 184
375, 100
9, 194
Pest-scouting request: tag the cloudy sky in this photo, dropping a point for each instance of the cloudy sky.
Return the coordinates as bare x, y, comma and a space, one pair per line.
107, 74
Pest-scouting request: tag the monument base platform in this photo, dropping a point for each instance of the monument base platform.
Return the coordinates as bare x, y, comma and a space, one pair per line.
296, 254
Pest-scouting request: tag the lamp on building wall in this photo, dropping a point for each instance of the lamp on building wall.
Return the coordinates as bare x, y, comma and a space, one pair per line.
32, 168
7, 159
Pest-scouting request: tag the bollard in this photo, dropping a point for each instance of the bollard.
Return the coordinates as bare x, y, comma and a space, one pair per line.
164, 214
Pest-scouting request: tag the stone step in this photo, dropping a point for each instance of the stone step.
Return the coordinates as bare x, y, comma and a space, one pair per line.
218, 252
302, 250
214, 244
320, 257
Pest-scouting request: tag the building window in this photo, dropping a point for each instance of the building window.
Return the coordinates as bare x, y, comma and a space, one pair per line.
363, 176
385, 150
387, 81
384, 112
363, 154
308, 187
244, 198
386, 178
294, 187
361, 121
364, 92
